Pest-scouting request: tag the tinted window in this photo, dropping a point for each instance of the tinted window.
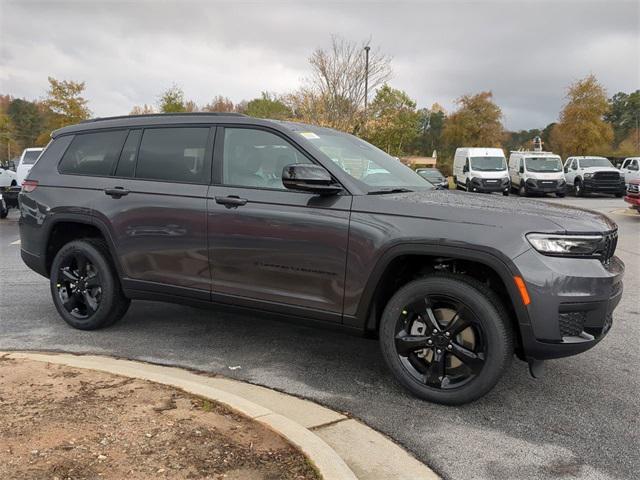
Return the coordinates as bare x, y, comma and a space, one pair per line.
255, 158
93, 153
174, 155
30, 157
127, 162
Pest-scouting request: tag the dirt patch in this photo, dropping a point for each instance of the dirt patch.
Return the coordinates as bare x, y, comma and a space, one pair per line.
58, 422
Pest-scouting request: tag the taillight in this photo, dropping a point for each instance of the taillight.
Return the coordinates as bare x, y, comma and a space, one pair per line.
29, 186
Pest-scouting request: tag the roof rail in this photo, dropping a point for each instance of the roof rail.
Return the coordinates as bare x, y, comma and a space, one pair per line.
146, 115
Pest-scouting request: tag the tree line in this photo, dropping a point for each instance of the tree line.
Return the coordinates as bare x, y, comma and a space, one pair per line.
333, 95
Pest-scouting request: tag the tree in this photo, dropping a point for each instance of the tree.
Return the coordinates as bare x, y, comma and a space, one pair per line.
172, 100
582, 129
27, 121
394, 123
219, 104
521, 139
623, 115
476, 123
335, 89
66, 102
268, 106
142, 110
429, 139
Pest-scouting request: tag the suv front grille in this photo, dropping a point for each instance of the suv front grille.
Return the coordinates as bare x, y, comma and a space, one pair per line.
633, 188
610, 244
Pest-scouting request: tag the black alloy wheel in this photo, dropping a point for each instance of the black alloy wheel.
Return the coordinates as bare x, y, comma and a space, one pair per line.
447, 338
440, 342
85, 286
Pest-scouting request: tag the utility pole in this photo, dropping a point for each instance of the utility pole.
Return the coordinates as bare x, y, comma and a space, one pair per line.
366, 77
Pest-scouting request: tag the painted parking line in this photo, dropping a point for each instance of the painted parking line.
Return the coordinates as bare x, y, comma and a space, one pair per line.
630, 212
17, 242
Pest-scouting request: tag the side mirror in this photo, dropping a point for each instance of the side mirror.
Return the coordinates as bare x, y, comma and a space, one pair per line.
309, 178
521, 168
465, 169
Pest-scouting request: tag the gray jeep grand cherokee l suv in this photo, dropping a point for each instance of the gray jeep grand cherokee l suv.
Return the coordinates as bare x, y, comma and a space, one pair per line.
316, 224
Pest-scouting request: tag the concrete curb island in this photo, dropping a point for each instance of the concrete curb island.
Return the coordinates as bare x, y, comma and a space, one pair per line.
340, 447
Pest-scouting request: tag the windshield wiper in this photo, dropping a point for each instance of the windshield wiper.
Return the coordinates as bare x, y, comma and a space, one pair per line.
389, 190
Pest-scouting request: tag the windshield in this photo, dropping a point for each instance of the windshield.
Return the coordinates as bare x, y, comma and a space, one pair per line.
543, 164
363, 161
488, 164
30, 157
595, 162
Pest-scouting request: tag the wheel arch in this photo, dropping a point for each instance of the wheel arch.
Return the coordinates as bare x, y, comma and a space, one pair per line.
67, 227
422, 258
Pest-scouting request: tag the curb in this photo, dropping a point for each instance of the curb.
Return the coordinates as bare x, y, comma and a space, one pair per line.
340, 448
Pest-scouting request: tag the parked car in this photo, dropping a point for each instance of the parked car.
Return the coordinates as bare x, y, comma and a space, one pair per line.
630, 169
481, 170
633, 194
27, 160
228, 209
593, 174
7, 178
433, 176
537, 173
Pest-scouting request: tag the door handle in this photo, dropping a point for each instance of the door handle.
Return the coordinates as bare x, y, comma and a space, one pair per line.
232, 201
116, 192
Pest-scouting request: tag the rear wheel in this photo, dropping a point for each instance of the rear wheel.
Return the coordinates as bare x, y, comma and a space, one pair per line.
85, 286
446, 338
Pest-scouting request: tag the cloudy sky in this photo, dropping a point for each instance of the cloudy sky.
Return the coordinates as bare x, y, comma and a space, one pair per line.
526, 52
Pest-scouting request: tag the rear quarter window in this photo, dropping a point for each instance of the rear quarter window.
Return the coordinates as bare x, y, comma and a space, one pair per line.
93, 154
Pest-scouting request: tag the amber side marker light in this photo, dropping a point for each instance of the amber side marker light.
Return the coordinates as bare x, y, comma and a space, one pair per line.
522, 288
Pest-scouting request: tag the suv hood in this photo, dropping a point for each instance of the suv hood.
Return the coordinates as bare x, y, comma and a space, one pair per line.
485, 209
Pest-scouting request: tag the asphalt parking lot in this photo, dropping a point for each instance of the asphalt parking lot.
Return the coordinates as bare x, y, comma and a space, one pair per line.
582, 420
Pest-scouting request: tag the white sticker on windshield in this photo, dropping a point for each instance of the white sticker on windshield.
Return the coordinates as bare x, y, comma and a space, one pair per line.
309, 135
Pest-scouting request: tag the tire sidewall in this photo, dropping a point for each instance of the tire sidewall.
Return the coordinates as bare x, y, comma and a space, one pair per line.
101, 316
497, 351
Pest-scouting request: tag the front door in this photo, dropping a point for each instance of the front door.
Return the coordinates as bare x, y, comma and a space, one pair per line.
269, 246
155, 205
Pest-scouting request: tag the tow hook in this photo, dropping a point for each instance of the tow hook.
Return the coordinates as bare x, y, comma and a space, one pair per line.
536, 368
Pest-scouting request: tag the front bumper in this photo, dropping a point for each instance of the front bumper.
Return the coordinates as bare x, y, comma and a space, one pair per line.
490, 185
597, 186
546, 186
572, 303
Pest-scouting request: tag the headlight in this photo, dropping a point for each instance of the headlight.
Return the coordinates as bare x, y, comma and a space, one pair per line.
567, 245
588, 175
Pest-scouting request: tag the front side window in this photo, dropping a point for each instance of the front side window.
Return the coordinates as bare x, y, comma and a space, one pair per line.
365, 163
174, 155
93, 153
488, 164
256, 158
543, 164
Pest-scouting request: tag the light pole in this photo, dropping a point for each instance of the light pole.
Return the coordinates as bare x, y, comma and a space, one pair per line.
366, 76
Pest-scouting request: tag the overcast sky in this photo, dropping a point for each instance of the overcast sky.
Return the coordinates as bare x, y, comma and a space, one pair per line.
128, 52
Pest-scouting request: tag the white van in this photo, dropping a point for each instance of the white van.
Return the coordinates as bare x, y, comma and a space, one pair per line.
481, 170
27, 160
537, 172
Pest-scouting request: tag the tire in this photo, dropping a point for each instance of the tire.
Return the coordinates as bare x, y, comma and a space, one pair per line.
506, 192
104, 304
619, 195
577, 188
468, 186
14, 183
560, 195
488, 320
522, 191
4, 212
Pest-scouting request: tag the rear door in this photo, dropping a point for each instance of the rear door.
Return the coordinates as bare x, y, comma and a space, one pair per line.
270, 246
155, 208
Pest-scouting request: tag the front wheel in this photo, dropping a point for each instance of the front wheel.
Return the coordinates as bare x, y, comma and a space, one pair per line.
522, 191
577, 188
560, 195
446, 338
85, 286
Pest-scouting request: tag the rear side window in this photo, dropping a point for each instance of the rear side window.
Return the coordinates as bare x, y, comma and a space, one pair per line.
174, 155
30, 157
93, 153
